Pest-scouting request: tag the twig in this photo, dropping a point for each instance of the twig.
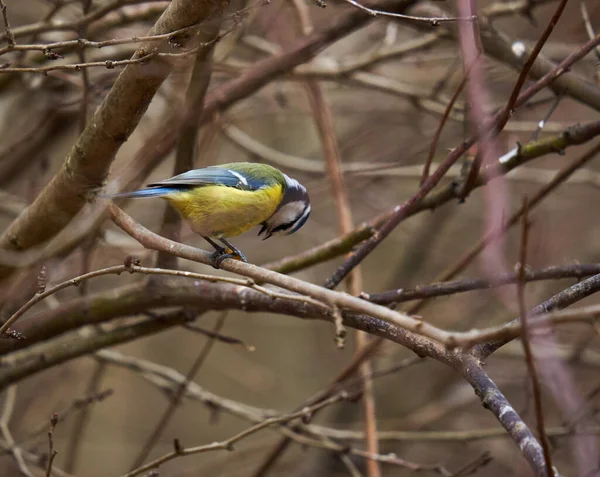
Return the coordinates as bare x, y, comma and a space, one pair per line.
51, 451
448, 339
526, 340
75, 25
544, 121
85, 77
77, 404
452, 435
10, 38
7, 412
219, 337
434, 21
50, 291
180, 451
438, 131
84, 43
108, 64
588, 25
514, 95
432, 290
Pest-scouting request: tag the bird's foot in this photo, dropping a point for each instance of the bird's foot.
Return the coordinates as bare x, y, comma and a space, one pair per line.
218, 256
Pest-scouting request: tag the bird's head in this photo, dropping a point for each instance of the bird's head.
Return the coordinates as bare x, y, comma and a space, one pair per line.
292, 213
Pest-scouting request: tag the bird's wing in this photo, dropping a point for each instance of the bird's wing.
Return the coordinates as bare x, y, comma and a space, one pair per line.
210, 176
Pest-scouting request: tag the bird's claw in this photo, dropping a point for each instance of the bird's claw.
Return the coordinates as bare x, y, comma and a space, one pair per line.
218, 256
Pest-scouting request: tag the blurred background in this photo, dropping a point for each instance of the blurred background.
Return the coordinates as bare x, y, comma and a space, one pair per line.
386, 114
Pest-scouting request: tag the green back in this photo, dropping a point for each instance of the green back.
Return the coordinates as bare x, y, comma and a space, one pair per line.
262, 172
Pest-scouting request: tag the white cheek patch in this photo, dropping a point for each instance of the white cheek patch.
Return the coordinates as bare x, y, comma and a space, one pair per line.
289, 212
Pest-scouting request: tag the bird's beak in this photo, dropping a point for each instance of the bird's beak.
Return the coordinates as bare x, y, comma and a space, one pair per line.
262, 230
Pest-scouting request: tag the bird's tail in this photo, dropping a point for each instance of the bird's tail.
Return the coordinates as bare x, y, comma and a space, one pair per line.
140, 194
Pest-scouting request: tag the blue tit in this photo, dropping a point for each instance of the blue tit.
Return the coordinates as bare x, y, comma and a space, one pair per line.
227, 200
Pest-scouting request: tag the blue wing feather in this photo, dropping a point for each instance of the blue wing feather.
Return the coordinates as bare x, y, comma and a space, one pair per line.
208, 176
155, 192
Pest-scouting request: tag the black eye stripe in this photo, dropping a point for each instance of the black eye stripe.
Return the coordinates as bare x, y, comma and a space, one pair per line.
296, 223
283, 226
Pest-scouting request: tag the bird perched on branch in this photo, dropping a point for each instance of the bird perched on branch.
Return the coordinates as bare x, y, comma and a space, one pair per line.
227, 200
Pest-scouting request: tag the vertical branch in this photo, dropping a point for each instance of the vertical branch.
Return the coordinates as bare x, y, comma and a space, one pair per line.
10, 38
51, 451
7, 412
481, 120
85, 77
438, 132
325, 126
529, 358
186, 145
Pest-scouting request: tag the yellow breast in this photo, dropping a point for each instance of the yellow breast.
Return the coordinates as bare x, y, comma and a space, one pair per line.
221, 212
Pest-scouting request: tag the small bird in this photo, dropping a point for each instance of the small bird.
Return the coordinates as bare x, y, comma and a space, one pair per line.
227, 200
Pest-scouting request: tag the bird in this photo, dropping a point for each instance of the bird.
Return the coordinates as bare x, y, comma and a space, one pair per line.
226, 200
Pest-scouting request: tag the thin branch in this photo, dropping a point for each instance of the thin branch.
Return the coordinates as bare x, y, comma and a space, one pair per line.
108, 64
227, 444
419, 292
8, 34
588, 25
75, 25
509, 109
84, 43
526, 340
438, 131
7, 412
433, 21
51, 451
433, 437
